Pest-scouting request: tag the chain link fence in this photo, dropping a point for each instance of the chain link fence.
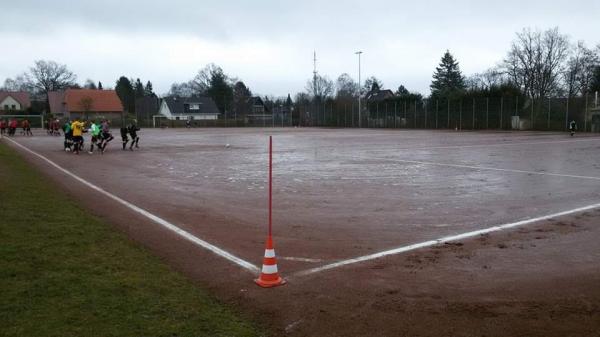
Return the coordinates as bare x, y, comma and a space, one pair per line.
488, 113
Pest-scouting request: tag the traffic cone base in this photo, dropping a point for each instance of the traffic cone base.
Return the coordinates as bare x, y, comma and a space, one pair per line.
269, 275
270, 284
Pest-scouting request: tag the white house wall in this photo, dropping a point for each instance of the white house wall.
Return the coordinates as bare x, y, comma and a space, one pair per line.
10, 102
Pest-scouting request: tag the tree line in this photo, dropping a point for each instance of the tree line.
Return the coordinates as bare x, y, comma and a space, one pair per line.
538, 64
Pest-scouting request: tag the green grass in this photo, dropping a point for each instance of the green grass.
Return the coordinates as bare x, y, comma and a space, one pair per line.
66, 273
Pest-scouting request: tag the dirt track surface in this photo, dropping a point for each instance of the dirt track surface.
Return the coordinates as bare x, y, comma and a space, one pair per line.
340, 194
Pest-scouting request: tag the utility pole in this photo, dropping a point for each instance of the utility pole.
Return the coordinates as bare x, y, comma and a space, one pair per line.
359, 53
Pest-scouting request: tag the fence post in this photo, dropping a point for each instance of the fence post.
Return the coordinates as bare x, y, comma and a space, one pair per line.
487, 113
437, 108
473, 114
415, 114
585, 113
424, 104
501, 108
448, 125
532, 103
460, 114
567, 116
549, 108
395, 114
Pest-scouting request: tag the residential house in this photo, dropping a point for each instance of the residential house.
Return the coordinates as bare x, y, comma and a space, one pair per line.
14, 101
258, 110
85, 103
188, 108
379, 95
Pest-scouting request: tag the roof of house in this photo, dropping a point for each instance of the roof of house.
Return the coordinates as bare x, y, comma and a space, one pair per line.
20, 96
102, 100
71, 100
379, 95
256, 101
177, 105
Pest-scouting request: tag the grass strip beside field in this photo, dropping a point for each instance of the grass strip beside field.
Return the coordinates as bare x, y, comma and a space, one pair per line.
66, 273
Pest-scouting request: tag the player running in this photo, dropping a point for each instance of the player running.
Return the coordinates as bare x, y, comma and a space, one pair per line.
3, 126
68, 135
77, 128
133, 129
124, 137
573, 127
95, 131
106, 135
26, 128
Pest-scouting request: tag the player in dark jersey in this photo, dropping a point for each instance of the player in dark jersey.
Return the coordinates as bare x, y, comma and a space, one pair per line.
133, 129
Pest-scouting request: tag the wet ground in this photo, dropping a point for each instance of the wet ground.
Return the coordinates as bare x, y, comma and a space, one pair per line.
341, 194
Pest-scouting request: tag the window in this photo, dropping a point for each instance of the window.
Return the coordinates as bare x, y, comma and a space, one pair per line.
6, 107
176, 118
194, 106
13, 107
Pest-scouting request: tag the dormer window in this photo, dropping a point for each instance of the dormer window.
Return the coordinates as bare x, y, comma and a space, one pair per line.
194, 106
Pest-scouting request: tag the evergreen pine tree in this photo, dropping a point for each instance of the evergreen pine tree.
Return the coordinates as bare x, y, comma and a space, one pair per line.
139, 89
125, 91
448, 81
148, 91
99, 85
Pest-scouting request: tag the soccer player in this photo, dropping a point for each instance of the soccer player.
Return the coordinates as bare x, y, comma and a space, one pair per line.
124, 137
133, 129
95, 131
572, 127
106, 135
27, 128
68, 135
3, 125
12, 127
77, 128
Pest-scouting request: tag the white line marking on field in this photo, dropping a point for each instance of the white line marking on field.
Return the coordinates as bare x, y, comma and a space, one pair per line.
300, 259
486, 168
186, 235
590, 139
443, 240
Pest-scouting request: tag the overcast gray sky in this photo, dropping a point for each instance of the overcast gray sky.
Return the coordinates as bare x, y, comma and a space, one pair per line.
269, 44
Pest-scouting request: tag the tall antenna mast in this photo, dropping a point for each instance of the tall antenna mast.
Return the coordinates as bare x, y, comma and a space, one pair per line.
315, 74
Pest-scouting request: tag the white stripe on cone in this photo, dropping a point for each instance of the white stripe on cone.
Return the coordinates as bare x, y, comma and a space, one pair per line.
269, 253
269, 269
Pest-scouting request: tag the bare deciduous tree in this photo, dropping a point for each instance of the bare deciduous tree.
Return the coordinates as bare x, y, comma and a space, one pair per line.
346, 87
536, 61
320, 88
19, 83
86, 104
579, 73
50, 76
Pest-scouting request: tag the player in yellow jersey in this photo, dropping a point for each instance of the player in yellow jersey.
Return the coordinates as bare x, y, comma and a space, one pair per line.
77, 128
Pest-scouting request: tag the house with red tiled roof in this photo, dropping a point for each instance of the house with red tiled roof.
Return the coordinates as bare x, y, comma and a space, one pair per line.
85, 103
14, 101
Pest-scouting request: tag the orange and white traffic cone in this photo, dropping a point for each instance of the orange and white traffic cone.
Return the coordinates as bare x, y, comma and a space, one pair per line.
269, 277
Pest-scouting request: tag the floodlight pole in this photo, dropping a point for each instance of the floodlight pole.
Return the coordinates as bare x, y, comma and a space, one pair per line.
359, 89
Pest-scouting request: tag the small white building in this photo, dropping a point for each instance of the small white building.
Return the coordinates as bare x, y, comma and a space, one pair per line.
188, 108
14, 101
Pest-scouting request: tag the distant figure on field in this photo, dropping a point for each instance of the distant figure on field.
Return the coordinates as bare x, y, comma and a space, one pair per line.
77, 128
26, 128
133, 129
3, 126
573, 127
124, 137
106, 135
12, 127
95, 131
68, 135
